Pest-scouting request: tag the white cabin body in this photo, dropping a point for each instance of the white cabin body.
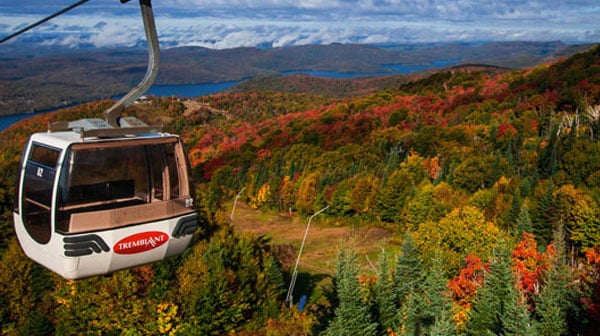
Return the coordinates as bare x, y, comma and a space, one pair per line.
92, 206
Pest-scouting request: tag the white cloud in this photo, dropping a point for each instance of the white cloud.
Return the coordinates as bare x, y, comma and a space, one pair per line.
234, 23
112, 35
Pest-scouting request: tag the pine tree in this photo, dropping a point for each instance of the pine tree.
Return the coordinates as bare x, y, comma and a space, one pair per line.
512, 216
542, 222
552, 303
384, 295
516, 319
427, 309
352, 316
408, 270
490, 303
524, 222
437, 312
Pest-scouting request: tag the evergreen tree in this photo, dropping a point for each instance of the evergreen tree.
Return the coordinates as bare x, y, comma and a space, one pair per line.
408, 270
385, 301
524, 222
427, 309
437, 313
542, 223
512, 216
552, 303
352, 316
489, 306
443, 326
228, 283
516, 319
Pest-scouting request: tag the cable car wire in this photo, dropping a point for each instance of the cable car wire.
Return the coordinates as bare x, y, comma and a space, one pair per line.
47, 18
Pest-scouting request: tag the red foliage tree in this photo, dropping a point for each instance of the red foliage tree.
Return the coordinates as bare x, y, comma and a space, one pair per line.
590, 279
529, 265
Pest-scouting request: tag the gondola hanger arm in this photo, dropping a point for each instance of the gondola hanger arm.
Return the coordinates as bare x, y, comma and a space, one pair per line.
112, 114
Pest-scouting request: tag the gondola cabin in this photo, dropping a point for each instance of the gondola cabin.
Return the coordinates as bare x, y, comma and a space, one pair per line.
96, 199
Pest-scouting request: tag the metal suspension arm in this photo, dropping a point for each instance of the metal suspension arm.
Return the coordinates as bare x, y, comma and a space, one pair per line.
113, 113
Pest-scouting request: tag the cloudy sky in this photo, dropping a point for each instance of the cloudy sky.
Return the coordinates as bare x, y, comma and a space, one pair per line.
234, 23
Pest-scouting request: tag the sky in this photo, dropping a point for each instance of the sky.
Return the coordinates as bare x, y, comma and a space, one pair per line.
223, 24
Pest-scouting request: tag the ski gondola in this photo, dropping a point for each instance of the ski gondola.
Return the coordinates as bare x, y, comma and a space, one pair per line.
99, 195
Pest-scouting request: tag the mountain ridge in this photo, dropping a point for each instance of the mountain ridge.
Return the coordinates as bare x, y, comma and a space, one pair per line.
461, 175
31, 82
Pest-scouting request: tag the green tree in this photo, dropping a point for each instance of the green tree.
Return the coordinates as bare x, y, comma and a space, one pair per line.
524, 222
516, 319
384, 296
552, 304
352, 316
543, 211
499, 307
229, 283
427, 309
491, 301
408, 271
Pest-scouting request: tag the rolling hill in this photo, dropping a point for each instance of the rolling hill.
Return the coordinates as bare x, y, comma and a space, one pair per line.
484, 182
32, 80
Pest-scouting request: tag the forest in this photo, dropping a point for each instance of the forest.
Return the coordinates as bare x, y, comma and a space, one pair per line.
46, 77
488, 180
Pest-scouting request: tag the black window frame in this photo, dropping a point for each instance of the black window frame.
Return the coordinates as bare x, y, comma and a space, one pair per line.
37, 214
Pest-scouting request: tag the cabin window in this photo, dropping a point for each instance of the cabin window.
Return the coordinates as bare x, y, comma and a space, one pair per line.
38, 182
116, 176
174, 170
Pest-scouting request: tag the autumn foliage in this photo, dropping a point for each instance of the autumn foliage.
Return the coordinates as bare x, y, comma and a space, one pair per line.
466, 163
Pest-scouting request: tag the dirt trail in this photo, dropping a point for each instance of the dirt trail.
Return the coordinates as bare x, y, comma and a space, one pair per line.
322, 243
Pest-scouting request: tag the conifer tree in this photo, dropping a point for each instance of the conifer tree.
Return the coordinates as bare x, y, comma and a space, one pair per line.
352, 316
543, 220
516, 319
512, 216
385, 301
408, 270
437, 313
524, 222
427, 308
552, 303
485, 317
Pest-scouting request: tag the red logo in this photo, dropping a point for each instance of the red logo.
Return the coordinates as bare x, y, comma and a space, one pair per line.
140, 242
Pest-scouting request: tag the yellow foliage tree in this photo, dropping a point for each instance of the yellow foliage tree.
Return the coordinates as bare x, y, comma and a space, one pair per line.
287, 192
461, 232
307, 192
363, 197
262, 196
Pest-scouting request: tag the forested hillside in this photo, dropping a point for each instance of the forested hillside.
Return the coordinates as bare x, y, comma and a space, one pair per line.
489, 182
34, 79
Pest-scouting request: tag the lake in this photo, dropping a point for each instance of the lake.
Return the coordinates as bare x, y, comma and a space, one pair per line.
184, 91
392, 69
201, 89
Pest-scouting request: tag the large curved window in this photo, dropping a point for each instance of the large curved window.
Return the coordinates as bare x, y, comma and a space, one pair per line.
38, 182
117, 183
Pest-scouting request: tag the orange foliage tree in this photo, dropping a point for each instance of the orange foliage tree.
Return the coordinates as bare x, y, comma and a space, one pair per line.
464, 286
529, 265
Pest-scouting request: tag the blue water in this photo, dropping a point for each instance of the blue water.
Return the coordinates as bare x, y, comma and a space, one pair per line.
391, 69
196, 90
184, 91
190, 90
9, 120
